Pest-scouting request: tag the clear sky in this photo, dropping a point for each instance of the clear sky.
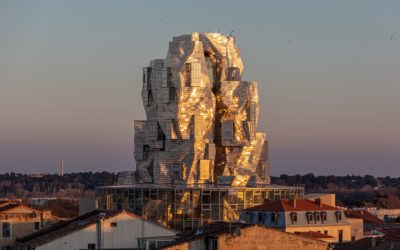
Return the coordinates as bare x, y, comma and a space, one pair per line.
328, 73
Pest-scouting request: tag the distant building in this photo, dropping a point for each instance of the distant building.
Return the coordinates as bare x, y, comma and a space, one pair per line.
44, 201
301, 215
368, 224
225, 235
17, 220
357, 227
100, 230
87, 204
386, 214
325, 198
390, 241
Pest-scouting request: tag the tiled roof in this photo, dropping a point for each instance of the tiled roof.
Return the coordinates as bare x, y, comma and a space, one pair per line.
8, 207
314, 235
291, 205
365, 215
63, 228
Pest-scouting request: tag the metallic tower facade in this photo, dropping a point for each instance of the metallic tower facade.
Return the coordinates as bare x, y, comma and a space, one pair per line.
201, 117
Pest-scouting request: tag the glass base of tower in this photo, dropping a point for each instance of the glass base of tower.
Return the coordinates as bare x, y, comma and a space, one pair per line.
188, 207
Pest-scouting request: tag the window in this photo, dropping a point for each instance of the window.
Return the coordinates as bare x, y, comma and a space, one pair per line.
6, 229
309, 216
260, 218
36, 225
338, 216
317, 216
293, 217
274, 218
113, 224
340, 236
91, 246
323, 216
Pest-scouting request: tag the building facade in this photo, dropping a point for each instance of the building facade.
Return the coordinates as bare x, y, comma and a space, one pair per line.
17, 220
100, 230
301, 215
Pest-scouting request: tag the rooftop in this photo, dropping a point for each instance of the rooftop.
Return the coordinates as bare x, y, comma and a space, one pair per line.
6, 208
63, 228
203, 186
292, 205
365, 215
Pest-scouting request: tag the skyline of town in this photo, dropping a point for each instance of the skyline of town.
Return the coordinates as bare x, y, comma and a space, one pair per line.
70, 80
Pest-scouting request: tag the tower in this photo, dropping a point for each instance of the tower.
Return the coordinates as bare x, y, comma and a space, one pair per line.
201, 117
62, 168
199, 157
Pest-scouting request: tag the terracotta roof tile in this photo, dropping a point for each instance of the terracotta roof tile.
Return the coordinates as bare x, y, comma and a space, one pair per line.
8, 207
288, 205
365, 215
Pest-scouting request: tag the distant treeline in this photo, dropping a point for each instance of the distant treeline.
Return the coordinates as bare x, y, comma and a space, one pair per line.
14, 185
350, 189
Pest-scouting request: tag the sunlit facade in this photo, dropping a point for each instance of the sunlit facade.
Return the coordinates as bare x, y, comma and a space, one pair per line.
186, 207
199, 156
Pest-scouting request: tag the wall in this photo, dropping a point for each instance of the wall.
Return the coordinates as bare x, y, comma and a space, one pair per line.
22, 223
328, 199
259, 238
256, 238
357, 228
382, 213
125, 235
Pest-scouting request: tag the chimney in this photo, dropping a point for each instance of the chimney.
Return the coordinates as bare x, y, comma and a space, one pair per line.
294, 202
100, 224
318, 202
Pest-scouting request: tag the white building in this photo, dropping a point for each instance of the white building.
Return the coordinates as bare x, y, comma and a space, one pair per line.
99, 230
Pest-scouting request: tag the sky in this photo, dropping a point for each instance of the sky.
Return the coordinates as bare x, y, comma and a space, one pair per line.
328, 75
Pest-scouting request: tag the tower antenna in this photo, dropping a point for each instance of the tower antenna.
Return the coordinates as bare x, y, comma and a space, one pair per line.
62, 168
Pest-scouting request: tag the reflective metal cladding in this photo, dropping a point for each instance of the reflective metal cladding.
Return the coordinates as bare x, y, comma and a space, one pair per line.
201, 117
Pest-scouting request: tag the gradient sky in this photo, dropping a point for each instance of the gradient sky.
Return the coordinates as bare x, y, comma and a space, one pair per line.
328, 73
